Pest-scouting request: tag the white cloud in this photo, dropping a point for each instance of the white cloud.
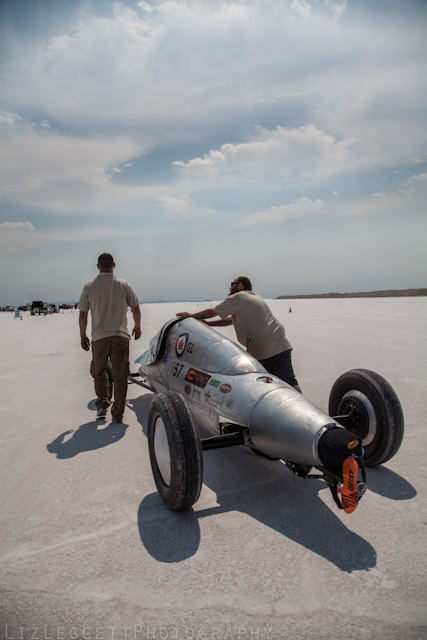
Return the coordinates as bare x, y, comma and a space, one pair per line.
9, 120
145, 6
16, 237
55, 171
337, 8
171, 71
421, 177
181, 206
284, 152
403, 201
298, 209
302, 7
28, 226
288, 153
180, 62
21, 237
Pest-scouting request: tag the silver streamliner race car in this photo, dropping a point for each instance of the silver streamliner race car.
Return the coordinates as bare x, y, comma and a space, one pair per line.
210, 393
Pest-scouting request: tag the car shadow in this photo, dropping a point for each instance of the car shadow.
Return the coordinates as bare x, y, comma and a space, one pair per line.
140, 406
289, 505
89, 436
269, 493
389, 484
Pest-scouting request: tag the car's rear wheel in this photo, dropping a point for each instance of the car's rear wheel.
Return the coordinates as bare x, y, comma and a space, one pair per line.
374, 410
175, 451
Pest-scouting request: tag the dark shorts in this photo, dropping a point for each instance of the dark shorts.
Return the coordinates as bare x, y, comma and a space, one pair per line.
281, 366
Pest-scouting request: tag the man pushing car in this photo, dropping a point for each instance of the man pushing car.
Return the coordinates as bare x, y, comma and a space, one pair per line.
256, 328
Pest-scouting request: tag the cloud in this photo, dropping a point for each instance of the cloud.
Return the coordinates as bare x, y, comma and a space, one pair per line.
17, 225
421, 177
286, 152
16, 237
9, 120
337, 8
289, 153
333, 96
21, 237
181, 206
298, 209
58, 172
169, 62
403, 200
302, 7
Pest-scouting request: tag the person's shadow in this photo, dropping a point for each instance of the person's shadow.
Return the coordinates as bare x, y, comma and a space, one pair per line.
89, 436
269, 493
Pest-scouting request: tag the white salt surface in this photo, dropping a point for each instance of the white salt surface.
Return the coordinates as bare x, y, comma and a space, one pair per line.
89, 551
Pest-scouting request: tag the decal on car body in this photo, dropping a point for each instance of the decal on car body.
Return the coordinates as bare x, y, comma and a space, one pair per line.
181, 344
197, 395
198, 378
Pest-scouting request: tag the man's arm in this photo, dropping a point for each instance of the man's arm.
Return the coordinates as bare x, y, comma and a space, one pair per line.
84, 340
136, 312
200, 315
221, 323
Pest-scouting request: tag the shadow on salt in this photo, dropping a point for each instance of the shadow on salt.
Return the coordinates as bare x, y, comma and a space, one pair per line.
88, 437
265, 491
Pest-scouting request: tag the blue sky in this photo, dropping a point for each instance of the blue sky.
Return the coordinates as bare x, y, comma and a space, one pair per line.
201, 140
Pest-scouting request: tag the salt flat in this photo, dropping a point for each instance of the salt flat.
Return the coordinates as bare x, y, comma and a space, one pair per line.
89, 551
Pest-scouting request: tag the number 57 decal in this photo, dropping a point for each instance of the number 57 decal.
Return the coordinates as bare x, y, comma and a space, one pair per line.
176, 369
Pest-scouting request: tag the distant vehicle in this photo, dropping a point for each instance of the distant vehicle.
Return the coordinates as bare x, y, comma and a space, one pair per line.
39, 308
207, 385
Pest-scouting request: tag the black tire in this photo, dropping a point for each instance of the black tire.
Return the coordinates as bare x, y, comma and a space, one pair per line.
175, 451
376, 407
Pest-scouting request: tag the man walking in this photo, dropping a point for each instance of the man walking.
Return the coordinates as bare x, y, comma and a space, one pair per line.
108, 298
256, 328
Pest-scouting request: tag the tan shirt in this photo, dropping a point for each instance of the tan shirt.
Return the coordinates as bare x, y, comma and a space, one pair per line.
256, 327
108, 299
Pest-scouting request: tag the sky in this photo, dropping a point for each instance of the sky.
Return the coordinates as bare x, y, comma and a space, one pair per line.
200, 140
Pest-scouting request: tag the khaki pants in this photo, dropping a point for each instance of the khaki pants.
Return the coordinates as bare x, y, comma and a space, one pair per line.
117, 349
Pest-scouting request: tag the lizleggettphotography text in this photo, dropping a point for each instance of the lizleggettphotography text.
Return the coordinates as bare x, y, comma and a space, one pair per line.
137, 632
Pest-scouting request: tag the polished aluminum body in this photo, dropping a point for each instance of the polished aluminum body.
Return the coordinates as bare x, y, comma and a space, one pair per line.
223, 383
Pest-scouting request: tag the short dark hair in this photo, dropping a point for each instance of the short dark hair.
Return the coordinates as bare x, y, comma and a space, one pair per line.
105, 261
245, 282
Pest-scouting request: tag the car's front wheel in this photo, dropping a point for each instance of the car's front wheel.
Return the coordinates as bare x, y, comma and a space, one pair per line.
175, 451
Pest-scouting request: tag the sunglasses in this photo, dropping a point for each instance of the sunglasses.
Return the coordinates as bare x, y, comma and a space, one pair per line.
234, 283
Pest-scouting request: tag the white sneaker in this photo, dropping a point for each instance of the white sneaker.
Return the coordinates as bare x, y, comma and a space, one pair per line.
101, 413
